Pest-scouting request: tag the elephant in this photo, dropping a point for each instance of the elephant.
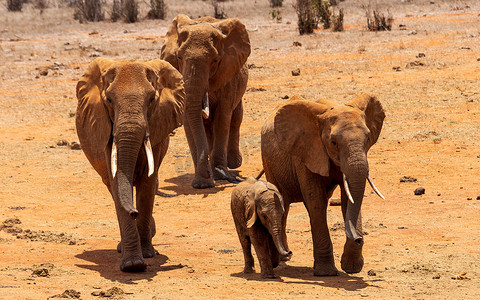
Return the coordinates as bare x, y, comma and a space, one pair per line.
257, 210
211, 56
125, 113
308, 149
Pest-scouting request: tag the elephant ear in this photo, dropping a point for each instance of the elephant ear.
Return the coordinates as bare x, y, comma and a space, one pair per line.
235, 49
374, 114
93, 123
250, 208
297, 128
171, 44
170, 99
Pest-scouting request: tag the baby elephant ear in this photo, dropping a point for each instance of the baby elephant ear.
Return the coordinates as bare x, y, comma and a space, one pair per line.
374, 114
250, 209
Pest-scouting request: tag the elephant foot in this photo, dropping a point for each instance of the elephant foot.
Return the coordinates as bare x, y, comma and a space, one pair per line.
148, 251
268, 274
248, 270
234, 159
352, 258
325, 269
133, 264
222, 173
203, 183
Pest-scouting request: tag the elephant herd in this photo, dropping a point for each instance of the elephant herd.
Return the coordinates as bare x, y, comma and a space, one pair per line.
126, 111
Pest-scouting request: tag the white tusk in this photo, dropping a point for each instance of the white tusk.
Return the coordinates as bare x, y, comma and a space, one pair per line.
113, 159
347, 190
206, 109
148, 150
375, 188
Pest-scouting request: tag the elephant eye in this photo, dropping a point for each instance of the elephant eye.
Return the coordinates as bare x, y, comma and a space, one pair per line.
179, 57
109, 100
152, 99
334, 142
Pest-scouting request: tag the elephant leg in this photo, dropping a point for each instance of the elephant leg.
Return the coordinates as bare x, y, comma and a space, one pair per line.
247, 249
352, 258
132, 258
259, 238
315, 200
145, 195
234, 156
200, 181
275, 258
221, 131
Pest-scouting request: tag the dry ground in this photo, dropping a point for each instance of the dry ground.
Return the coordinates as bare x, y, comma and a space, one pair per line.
64, 230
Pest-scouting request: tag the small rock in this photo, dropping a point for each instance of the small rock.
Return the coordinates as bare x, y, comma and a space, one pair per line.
43, 71
462, 276
75, 146
285, 97
372, 273
419, 191
296, 72
40, 272
70, 294
420, 55
93, 32
408, 179
297, 44
436, 276
478, 197
396, 69
335, 202
469, 198
62, 143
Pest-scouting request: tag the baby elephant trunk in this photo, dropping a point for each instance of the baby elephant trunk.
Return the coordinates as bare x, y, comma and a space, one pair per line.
284, 254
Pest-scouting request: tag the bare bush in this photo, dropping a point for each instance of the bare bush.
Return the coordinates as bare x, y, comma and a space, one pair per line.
324, 12
15, 5
276, 3
307, 19
116, 13
158, 10
40, 4
337, 21
218, 13
88, 10
377, 21
130, 11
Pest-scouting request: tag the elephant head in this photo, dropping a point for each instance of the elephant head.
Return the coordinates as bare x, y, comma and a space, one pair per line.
264, 202
326, 136
209, 53
123, 108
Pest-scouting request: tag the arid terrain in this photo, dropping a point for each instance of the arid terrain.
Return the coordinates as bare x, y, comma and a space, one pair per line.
58, 228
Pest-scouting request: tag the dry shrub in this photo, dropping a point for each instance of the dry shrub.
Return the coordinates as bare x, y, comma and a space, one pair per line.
377, 21
337, 21
218, 13
88, 10
324, 12
130, 11
276, 3
307, 19
116, 11
158, 9
40, 4
15, 5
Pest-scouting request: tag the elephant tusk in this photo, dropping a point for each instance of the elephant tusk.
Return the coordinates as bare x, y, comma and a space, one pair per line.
206, 107
347, 190
113, 159
148, 150
374, 187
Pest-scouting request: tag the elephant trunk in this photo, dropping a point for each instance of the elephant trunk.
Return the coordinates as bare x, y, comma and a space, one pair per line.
128, 144
277, 239
356, 173
196, 87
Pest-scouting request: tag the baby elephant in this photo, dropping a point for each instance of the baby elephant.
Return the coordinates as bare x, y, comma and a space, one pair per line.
257, 209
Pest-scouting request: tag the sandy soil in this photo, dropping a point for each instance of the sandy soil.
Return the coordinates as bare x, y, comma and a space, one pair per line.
58, 229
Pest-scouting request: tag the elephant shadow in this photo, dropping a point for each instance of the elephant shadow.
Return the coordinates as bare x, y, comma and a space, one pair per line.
291, 274
105, 262
181, 185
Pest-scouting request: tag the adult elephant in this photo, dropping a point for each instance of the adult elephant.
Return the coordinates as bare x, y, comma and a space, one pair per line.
211, 56
124, 116
310, 148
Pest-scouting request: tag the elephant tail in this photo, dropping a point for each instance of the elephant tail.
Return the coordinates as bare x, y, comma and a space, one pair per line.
260, 174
